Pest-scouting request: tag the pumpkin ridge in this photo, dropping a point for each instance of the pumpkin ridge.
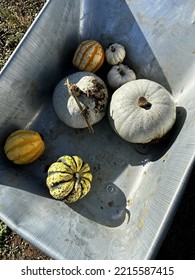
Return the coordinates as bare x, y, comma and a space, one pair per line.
64, 190
75, 194
21, 145
139, 90
57, 183
22, 131
128, 120
85, 172
75, 165
76, 54
85, 167
88, 177
84, 54
14, 143
58, 171
92, 55
78, 50
22, 157
85, 186
147, 90
37, 155
81, 166
85, 177
69, 165
59, 167
98, 65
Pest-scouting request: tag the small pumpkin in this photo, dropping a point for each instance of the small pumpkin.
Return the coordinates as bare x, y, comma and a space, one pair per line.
89, 56
24, 146
80, 99
115, 53
69, 179
142, 111
119, 75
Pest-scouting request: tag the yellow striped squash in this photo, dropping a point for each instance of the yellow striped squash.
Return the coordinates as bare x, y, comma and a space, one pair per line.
69, 178
89, 56
24, 146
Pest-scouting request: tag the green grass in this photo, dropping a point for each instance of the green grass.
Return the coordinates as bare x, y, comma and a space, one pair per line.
15, 19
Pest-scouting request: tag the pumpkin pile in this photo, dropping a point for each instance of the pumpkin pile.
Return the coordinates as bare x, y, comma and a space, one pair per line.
140, 111
120, 73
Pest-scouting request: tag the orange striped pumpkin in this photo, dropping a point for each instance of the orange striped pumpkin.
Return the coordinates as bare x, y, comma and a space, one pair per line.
89, 56
24, 146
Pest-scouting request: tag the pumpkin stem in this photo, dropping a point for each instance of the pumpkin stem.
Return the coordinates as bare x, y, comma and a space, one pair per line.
112, 48
75, 94
121, 71
144, 103
77, 177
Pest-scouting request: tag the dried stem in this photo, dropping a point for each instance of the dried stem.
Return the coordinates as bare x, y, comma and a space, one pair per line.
83, 110
144, 103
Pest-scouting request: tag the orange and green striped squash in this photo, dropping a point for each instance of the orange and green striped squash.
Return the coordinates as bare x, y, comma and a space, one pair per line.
24, 146
89, 56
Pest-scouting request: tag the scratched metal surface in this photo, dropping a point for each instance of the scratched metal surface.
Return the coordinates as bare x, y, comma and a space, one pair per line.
145, 182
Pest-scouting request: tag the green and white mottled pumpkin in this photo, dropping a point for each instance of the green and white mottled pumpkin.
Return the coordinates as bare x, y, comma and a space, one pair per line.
91, 93
142, 111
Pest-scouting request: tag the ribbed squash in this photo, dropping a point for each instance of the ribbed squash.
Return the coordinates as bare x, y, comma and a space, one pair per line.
89, 56
69, 178
24, 146
115, 54
142, 111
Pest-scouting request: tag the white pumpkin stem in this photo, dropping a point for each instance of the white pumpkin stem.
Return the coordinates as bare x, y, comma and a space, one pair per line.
112, 48
74, 93
121, 71
144, 103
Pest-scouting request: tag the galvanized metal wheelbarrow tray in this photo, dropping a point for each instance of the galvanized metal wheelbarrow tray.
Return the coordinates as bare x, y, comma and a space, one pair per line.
136, 189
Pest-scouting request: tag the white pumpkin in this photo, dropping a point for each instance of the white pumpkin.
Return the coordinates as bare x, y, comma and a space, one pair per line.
119, 75
142, 111
115, 54
88, 108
